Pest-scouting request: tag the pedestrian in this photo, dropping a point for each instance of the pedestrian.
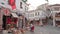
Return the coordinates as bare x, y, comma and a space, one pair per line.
32, 27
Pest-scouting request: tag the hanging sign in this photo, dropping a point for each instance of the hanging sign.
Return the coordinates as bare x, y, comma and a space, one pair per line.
12, 4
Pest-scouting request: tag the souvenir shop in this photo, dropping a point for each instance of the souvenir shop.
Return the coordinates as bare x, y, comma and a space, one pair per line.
9, 19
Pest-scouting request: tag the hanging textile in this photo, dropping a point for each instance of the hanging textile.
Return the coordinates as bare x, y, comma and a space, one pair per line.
12, 4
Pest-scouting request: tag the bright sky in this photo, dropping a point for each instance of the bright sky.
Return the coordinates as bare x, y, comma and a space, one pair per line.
35, 3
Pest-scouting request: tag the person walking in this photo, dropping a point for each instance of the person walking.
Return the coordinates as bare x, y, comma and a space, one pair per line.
32, 27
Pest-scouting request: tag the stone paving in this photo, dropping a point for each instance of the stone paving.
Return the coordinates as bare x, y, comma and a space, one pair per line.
45, 30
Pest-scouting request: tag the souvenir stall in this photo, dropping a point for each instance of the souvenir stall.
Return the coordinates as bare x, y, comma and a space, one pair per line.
14, 20
20, 23
9, 19
6, 17
57, 19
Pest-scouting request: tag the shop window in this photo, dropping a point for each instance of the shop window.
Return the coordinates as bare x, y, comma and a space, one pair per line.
26, 8
48, 9
21, 5
38, 13
57, 15
35, 14
57, 9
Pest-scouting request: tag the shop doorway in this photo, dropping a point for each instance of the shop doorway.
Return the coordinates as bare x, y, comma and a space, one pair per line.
4, 22
50, 21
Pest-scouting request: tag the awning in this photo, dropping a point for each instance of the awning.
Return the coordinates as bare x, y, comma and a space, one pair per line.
14, 15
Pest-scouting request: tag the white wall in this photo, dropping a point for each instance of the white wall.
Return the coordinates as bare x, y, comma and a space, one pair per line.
36, 17
41, 15
18, 6
31, 15
6, 5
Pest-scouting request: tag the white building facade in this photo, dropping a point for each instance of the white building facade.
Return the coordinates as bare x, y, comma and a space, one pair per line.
21, 7
55, 10
36, 15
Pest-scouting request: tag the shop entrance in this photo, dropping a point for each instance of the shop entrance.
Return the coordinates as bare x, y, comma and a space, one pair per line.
50, 21
4, 22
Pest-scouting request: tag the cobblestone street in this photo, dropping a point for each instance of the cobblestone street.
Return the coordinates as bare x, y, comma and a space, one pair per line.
45, 30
